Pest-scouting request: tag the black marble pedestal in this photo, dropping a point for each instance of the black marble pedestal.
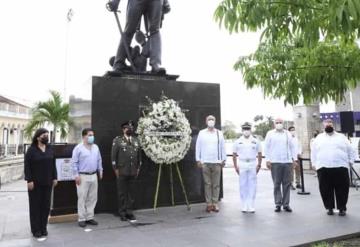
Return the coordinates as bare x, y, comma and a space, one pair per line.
64, 199
117, 99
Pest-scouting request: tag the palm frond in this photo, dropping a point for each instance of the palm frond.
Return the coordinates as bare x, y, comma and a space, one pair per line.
53, 111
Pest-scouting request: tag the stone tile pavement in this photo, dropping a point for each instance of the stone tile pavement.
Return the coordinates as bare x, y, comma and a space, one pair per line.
175, 226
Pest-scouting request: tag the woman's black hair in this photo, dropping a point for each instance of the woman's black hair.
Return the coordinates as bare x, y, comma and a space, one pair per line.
38, 133
291, 128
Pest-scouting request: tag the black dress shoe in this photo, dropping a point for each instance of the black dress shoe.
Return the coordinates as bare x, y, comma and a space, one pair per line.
92, 222
130, 217
342, 212
292, 187
44, 233
288, 209
37, 235
277, 209
298, 186
330, 211
82, 223
123, 217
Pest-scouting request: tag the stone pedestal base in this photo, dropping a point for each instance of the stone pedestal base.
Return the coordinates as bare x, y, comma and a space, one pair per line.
117, 99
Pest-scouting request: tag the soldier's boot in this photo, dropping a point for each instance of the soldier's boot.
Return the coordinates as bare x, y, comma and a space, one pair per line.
156, 69
122, 67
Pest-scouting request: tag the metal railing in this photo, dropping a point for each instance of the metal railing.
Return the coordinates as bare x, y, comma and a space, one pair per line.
354, 176
11, 150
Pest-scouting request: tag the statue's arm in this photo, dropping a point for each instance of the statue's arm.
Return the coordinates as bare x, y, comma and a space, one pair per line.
166, 7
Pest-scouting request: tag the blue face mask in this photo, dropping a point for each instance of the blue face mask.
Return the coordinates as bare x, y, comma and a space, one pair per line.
91, 139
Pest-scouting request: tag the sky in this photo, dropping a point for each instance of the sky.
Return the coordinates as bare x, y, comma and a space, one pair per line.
41, 51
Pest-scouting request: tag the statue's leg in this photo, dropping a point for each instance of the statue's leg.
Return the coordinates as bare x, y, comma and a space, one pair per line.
134, 12
154, 20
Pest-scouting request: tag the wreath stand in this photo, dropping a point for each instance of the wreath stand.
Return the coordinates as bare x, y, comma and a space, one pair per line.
171, 186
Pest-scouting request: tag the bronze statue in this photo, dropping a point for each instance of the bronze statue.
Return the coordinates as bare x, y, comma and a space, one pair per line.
153, 12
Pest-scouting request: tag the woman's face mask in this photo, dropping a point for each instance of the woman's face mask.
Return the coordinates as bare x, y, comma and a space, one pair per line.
44, 140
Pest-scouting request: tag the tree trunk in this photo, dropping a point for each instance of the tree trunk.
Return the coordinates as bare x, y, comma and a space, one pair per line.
53, 137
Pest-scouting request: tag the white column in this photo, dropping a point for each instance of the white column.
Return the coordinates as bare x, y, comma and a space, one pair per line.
16, 140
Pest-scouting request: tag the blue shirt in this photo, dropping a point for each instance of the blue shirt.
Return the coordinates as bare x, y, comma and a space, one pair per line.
86, 160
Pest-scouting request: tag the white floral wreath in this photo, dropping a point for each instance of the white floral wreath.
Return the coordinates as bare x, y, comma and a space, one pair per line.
164, 132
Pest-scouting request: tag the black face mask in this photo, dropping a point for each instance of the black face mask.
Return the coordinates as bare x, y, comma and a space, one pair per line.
44, 140
129, 132
329, 129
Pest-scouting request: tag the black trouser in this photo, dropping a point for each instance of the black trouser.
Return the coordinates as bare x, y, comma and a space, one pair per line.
124, 192
39, 207
334, 180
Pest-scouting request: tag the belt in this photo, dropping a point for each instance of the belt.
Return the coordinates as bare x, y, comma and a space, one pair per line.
88, 173
248, 160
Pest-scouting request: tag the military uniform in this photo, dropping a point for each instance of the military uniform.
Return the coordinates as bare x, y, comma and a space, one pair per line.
125, 157
246, 149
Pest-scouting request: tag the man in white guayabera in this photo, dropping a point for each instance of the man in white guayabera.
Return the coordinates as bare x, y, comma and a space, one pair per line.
247, 159
281, 156
332, 155
211, 157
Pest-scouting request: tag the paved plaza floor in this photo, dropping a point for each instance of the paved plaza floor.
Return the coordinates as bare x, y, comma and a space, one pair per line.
175, 226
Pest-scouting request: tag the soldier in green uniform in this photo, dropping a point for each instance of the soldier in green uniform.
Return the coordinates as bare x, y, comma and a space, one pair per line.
125, 158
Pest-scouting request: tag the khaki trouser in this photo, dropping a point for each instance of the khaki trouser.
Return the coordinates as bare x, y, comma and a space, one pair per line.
297, 175
211, 175
87, 196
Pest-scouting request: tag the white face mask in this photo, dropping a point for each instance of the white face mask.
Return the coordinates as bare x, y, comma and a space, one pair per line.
246, 133
211, 123
293, 133
279, 126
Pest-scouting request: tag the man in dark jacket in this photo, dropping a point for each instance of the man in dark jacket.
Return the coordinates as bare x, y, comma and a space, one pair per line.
125, 158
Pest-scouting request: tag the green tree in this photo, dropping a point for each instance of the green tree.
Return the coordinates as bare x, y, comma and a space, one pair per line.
53, 112
307, 47
229, 130
262, 125
258, 118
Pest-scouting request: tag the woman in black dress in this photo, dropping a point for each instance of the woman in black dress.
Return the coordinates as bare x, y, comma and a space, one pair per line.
40, 174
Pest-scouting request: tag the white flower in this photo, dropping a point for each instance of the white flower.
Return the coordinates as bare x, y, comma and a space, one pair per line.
165, 115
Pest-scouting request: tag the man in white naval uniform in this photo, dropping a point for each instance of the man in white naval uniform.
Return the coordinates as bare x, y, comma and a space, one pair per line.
247, 159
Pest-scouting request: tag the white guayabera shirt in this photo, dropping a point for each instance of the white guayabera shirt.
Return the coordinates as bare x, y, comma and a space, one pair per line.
331, 151
279, 147
210, 147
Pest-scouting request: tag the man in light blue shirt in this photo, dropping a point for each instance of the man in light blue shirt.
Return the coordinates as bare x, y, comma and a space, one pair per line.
87, 163
211, 157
